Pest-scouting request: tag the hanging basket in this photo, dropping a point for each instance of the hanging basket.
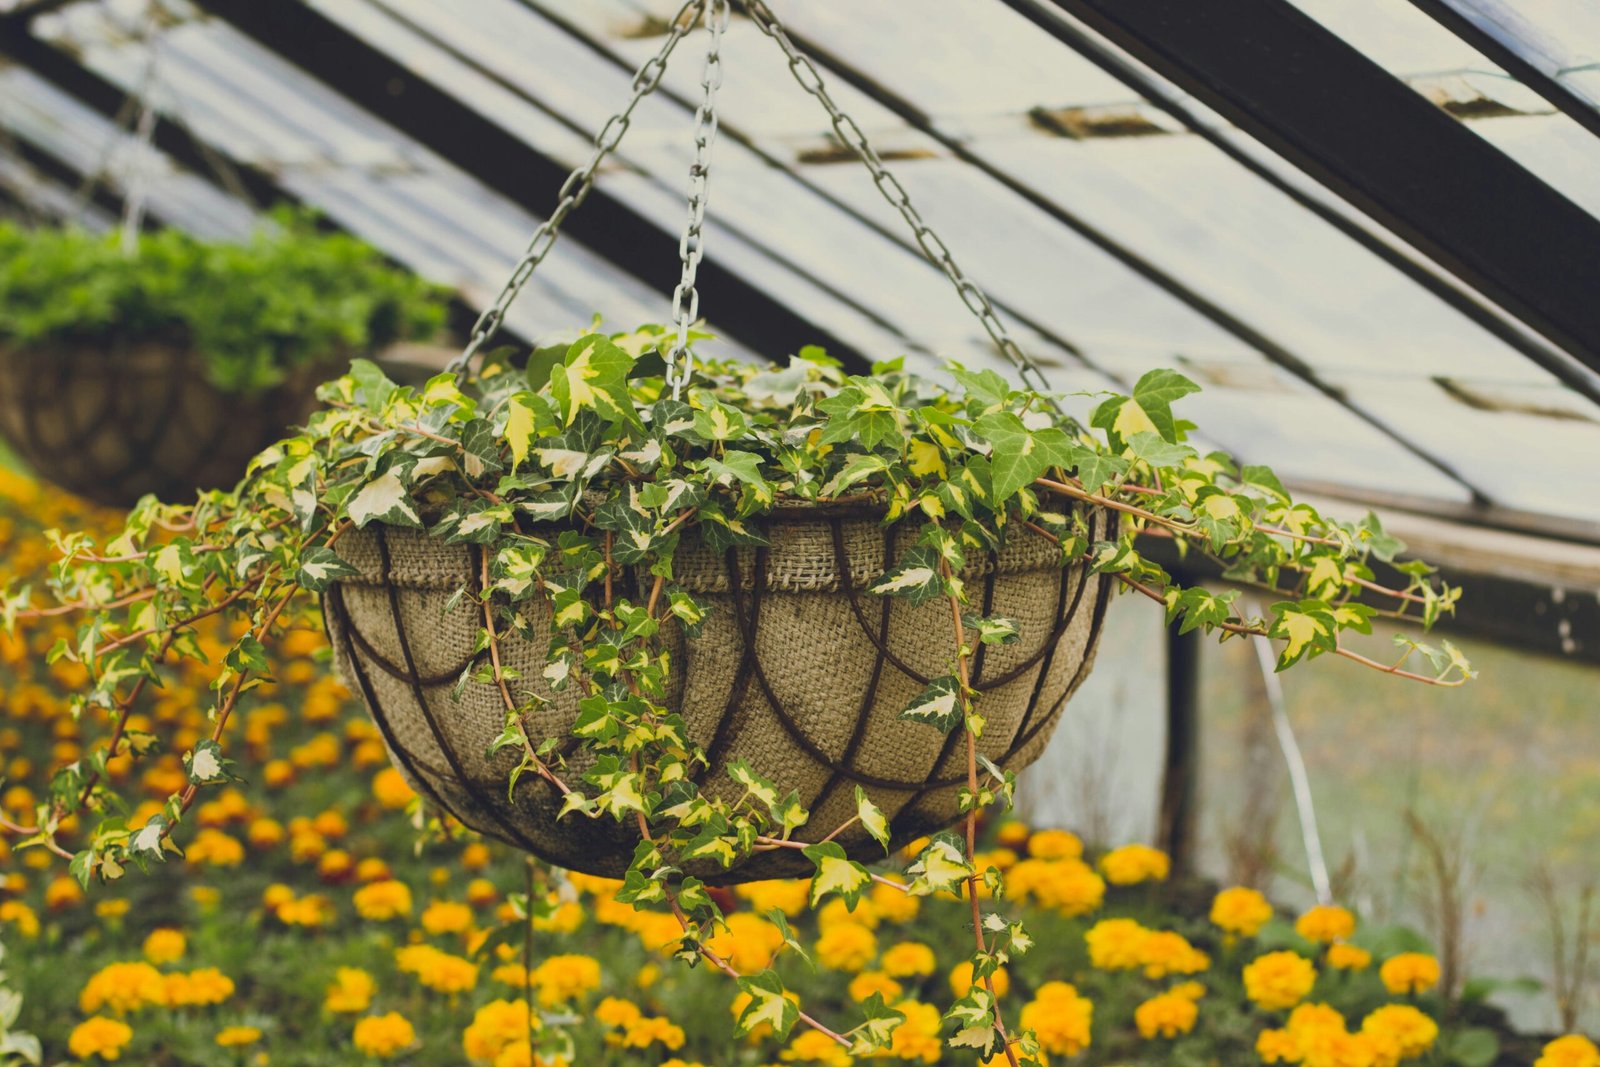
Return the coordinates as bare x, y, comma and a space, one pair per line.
798, 671
111, 424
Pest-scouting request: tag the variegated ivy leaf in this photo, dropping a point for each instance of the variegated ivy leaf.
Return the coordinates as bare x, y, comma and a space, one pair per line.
877, 1032
858, 469
594, 376
384, 499
1307, 628
1149, 408
719, 422
1020, 455
941, 867
872, 818
770, 1004
994, 630
790, 940
836, 874
206, 764
147, 841
320, 567
755, 786
973, 1019
1199, 606
938, 706
915, 576
520, 427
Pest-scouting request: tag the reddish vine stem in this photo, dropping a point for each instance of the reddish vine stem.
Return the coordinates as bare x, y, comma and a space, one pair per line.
962, 656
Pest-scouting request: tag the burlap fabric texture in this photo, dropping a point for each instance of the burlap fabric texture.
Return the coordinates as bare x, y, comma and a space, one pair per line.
798, 671
111, 424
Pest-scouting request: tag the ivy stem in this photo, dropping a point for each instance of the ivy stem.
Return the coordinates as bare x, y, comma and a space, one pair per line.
539, 766
963, 655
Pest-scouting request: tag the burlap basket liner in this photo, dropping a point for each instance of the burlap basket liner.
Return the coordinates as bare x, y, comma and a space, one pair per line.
798, 671
114, 423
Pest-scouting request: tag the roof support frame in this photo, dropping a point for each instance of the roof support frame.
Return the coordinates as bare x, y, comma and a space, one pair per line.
1275, 352
631, 242
1450, 15
1445, 288
1334, 114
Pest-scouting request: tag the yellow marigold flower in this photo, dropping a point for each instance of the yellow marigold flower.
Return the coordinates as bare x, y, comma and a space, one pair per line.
1240, 911
99, 1036
836, 911
390, 788
277, 773
1165, 952
1413, 1031
481, 892
1060, 1018
1117, 944
1343, 956
1325, 924
1067, 886
749, 942
197, 989
215, 848
846, 947
1409, 972
23, 917
616, 1013
1307, 1017
1013, 833
122, 988
651, 1030
446, 917
1572, 1050
372, 869
909, 959
565, 919
496, 1025
475, 857
62, 893
382, 901
813, 1046
335, 866
384, 1036
788, 895
867, 983
165, 945
1132, 864
917, 1037
1055, 845
892, 905
657, 930
206, 897
1277, 1046
961, 980
439, 971
264, 834
311, 910
1279, 980
350, 993
1335, 1047
105, 909
563, 979
1166, 1015
238, 1036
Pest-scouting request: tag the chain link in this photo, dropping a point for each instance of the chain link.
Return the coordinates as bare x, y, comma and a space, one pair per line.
685, 298
576, 188
849, 133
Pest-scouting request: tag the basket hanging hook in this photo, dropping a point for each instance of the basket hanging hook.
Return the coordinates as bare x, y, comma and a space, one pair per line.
576, 188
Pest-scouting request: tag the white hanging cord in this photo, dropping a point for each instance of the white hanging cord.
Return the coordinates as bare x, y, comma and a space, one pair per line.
1299, 780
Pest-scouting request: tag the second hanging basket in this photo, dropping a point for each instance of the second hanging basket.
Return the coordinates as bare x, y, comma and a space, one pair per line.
112, 423
798, 671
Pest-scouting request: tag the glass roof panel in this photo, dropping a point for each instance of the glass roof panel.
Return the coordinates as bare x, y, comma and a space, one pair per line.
1559, 38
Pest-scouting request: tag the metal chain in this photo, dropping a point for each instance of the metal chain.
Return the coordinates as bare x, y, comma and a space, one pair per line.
805, 72
686, 299
576, 188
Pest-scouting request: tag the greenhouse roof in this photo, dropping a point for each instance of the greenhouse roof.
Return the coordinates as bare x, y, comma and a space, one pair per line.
1370, 230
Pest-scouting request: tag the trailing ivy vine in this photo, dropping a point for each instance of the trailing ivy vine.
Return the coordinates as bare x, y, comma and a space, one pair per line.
582, 464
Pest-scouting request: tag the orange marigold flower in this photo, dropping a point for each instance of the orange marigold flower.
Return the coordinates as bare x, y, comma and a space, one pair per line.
1572, 1050
1325, 924
1132, 864
1409, 972
384, 1036
1279, 980
1240, 911
99, 1036
1166, 1015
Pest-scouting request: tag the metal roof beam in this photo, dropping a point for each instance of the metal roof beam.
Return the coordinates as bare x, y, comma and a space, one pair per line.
1275, 352
1568, 371
433, 117
1454, 16
1300, 90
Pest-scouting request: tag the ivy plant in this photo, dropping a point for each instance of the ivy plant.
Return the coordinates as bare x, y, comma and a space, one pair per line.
583, 463
254, 310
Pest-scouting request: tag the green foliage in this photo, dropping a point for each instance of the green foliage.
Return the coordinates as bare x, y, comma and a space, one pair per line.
584, 464
253, 311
